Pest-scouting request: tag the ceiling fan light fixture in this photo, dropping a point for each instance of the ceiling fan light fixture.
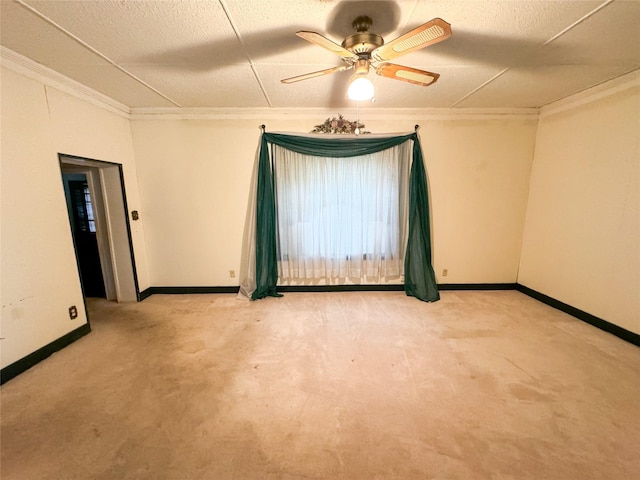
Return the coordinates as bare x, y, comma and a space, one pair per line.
360, 88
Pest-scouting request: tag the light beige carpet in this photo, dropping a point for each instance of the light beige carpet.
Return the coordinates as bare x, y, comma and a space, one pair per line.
376, 385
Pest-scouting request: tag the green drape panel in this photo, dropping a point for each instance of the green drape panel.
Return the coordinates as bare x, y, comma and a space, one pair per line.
419, 276
266, 250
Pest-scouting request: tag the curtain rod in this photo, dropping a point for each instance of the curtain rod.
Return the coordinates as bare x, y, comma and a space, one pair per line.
263, 127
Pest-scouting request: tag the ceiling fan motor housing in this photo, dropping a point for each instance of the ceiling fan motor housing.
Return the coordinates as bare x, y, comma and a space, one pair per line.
362, 43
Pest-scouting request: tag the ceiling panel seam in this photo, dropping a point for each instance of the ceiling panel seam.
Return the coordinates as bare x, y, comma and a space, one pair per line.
246, 52
410, 16
95, 51
578, 22
481, 86
555, 37
567, 29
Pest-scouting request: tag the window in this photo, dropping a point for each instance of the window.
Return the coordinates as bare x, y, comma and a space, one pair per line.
341, 218
91, 221
84, 217
268, 258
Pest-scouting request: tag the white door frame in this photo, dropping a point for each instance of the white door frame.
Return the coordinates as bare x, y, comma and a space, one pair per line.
113, 231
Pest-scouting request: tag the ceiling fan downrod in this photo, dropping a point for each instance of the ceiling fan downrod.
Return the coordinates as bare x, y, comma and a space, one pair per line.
362, 24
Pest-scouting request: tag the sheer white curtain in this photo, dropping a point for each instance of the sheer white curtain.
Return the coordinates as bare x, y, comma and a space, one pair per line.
341, 218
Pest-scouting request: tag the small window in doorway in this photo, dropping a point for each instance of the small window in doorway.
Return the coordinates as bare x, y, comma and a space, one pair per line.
91, 221
83, 207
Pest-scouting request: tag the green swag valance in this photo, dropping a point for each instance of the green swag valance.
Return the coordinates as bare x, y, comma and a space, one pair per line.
418, 272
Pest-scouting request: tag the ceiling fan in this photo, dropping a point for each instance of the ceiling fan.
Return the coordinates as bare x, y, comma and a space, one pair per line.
364, 50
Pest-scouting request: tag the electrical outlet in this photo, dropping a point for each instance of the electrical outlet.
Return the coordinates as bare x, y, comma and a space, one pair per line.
73, 312
445, 272
232, 273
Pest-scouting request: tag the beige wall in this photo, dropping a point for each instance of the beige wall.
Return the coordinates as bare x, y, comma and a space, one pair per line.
479, 177
582, 237
194, 180
39, 274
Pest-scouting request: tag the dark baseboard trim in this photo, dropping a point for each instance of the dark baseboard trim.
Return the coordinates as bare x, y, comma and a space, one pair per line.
609, 327
341, 288
145, 294
477, 286
392, 287
395, 287
188, 290
16, 368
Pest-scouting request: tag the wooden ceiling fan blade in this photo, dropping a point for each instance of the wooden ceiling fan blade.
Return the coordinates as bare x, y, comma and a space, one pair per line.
327, 44
433, 31
320, 73
407, 74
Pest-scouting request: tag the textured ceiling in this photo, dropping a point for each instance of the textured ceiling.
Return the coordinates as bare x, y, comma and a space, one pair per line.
233, 53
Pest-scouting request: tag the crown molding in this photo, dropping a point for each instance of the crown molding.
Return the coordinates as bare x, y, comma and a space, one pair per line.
603, 90
25, 66
306, 113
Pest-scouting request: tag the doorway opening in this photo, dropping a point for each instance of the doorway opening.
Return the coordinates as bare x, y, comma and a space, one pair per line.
99, 221
83, 228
